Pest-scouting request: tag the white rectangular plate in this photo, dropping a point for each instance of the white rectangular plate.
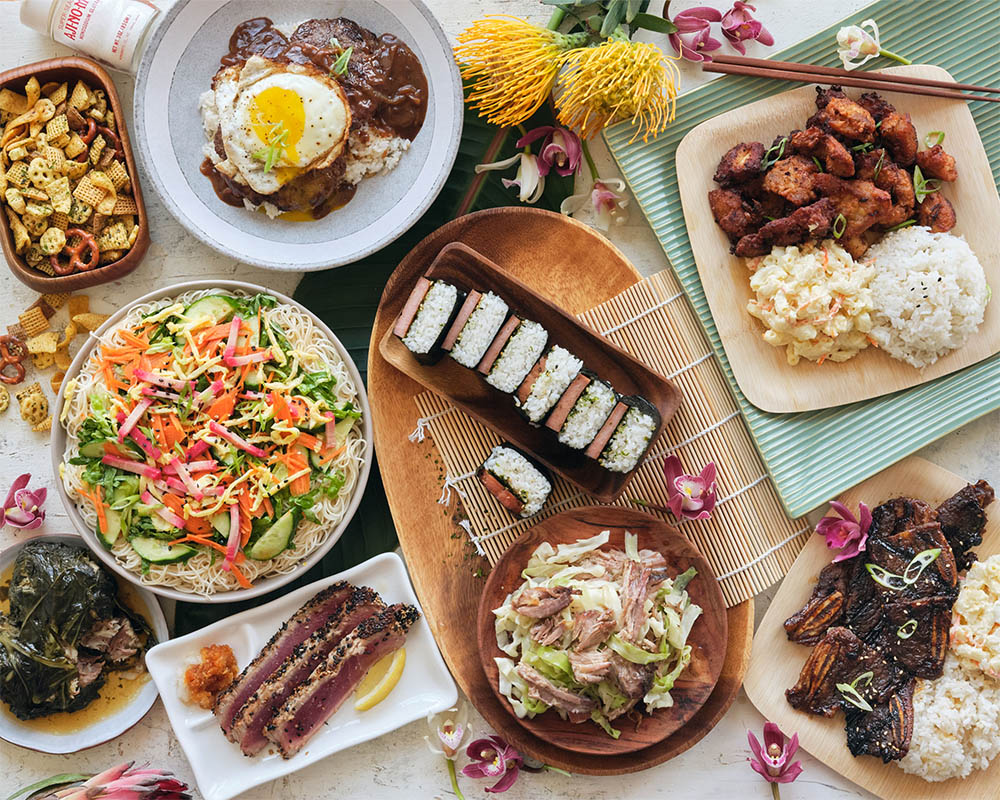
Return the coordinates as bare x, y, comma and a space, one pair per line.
221, 770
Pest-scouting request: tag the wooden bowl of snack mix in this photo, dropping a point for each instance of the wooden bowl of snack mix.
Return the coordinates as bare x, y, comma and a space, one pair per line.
73, 211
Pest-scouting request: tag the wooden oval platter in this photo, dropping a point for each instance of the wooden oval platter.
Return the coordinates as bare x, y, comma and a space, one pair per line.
534, 246
762, 371
776, 662
707, 638
462, 266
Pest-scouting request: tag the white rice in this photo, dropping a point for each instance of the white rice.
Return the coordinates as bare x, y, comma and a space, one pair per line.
956, 724
629, 441
433, 314
561, 366
929, 293
479, 330
518, 356
522, 477
588, 415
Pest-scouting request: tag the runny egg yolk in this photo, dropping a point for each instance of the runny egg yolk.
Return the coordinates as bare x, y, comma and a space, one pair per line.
277, 110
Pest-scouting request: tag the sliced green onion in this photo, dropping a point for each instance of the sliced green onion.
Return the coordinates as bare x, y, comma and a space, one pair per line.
778, 149
819, 166
934, 138
340, 65
907, 629
890, 580
906, 223
864, 147
839, 226
850, 693
918, 564
878, 166
923, 186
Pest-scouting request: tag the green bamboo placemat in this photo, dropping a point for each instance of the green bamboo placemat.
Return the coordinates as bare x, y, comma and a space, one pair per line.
815, 455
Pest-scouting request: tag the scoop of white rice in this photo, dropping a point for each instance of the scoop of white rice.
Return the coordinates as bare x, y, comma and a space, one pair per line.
929, 293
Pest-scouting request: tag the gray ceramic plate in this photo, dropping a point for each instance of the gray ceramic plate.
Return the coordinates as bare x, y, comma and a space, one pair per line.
100, 730
263, 585
178, 65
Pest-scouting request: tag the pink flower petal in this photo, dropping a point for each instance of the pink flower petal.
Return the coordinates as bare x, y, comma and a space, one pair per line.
19, 483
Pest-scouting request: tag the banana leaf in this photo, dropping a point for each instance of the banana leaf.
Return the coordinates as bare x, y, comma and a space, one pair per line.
346, 299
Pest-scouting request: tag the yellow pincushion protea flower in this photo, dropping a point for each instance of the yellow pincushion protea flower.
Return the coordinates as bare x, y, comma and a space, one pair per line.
512, 65
617, 80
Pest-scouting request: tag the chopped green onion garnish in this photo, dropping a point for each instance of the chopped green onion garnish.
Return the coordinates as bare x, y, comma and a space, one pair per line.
923, 186
934, 138
778, 150
864, 147
839, 226
890, 580
851, 694
878, 166
340, 65
918, 564
907, 629
819, 166
906, 223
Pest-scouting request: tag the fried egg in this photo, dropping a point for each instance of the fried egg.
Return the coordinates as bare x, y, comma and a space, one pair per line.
278, 120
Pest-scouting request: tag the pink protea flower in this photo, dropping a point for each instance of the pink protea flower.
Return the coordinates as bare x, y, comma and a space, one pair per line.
690, 496
693, 38
738, 26
23, 507
493, 758
561, 149
773, 762
122, 783
845, 533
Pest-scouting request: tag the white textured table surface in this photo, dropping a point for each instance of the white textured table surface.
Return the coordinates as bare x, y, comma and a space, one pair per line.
399, 765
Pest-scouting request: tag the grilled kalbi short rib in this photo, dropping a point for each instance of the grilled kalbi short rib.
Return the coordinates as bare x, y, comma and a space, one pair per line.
854, 621
855, 156
342, 625
333, 681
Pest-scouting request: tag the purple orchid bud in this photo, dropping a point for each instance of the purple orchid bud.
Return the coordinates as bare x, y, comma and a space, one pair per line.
493, 758
738, 26
693, 39
561, 149
773, 762
23, 507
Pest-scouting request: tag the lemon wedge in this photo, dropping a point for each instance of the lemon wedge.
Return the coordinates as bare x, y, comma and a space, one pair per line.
380, 680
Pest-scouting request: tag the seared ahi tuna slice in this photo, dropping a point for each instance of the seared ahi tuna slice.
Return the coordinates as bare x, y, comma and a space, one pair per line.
303, 623
333, 681
248, 724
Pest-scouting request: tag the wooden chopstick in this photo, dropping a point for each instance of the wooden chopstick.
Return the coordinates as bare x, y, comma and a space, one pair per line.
815, 69
829, 80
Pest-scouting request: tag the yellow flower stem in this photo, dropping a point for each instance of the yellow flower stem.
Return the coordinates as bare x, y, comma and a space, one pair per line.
590, 160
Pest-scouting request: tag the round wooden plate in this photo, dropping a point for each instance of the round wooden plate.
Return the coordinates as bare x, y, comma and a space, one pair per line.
577, 268
707, 638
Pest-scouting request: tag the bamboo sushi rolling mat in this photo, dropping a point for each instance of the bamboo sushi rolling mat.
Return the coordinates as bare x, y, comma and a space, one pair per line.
749, 540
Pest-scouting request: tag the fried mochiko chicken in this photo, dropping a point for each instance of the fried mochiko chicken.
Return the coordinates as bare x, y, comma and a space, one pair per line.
741, 164
936, 213
936, 163
792, 178
861, 202
842, 116
814, 142
732, 213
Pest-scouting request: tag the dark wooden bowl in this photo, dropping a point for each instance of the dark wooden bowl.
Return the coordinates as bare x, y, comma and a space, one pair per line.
708, 638
468, 269
73, 68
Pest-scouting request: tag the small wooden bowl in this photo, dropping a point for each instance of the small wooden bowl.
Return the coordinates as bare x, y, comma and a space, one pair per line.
708, 637
71, 69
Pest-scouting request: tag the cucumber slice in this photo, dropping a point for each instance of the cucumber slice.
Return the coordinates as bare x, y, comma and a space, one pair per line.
94, 449
110, 536
216, 308
275, 539
221, 523
126, 489
255, 378
159, 552
342, 429
161, 524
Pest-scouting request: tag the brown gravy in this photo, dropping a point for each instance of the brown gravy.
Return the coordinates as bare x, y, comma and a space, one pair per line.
384, 84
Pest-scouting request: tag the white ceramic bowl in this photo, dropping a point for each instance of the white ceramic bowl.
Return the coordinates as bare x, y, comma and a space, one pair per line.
178, 65
264, 585
103, 730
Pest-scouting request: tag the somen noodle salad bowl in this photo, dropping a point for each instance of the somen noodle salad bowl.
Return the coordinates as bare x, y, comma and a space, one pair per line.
213, 441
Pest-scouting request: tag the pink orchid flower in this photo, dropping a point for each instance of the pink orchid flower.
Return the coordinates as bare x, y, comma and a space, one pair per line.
690, 496
773, 761
693, 38
845, 533
561, 149
23, 507
493, 758
738, 26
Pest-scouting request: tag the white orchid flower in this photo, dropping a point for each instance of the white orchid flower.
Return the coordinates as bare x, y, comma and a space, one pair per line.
529, 179
854, 41
608, 202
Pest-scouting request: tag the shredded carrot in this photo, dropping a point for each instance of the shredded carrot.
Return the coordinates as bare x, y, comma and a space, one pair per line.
310, 441
240, 577
328, 456
268, 507
102, 519
174, 503
296, 462
281, 411
822, 358
132, 339
223, 407
191, 537
198, 526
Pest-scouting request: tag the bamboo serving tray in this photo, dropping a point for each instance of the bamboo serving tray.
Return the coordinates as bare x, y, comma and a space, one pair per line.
776, 662
535, 246
762, 371
464, 267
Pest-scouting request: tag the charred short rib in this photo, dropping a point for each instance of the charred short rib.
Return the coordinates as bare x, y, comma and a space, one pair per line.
824, 609
963, 518
886, 730
333, 681
575, 706
249, 722
309, 618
